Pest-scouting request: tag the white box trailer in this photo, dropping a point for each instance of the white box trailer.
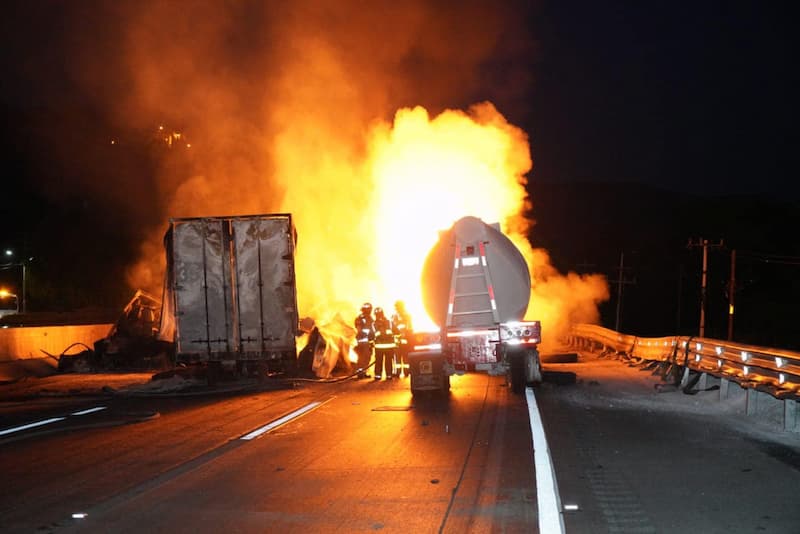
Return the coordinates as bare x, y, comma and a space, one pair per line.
230, 293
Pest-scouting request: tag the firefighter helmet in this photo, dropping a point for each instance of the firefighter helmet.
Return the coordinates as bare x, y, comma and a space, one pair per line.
366, 308
379, 312
400, 306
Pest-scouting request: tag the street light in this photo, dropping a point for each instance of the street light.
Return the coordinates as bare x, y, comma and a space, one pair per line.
9, 253
5, 294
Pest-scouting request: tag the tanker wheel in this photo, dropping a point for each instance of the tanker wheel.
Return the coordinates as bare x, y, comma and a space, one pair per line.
445, 384
533, 367
518, 372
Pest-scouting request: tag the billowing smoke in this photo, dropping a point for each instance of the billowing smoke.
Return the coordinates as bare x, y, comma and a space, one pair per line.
272, 106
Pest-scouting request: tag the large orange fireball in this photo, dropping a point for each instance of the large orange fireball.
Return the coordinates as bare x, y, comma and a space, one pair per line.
366, 228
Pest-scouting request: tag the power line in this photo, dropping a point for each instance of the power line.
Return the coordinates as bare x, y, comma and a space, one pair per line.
766, 255
772, 259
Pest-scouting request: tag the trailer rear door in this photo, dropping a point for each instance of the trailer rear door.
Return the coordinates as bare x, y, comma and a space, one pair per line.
201, 267
267, 300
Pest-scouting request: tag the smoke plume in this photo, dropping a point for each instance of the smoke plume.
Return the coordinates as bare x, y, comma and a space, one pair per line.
269, 106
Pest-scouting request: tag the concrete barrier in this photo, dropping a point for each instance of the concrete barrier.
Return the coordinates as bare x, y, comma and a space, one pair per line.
22, 349
29, 342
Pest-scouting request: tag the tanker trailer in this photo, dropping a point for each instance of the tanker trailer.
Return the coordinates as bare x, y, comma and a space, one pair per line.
475, 286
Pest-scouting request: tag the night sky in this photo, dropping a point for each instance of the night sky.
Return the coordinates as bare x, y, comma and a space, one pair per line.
686, 98
692, 97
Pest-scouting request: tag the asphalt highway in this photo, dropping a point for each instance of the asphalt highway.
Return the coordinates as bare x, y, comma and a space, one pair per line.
365, 456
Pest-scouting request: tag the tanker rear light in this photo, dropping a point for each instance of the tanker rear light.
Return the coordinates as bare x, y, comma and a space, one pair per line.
523, 341
431, 346
491, 335
471, 333
521, 332
422, 341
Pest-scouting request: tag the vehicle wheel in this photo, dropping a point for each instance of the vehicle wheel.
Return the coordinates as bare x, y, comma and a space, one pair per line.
213, 373
533, 367
260, 370
517, 371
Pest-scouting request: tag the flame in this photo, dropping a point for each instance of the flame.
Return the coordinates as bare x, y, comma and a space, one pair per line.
374, 221
368, 225
368, 212
431, 172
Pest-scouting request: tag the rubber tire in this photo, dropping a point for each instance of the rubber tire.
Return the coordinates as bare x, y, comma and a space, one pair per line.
213, 373
533, 367
517, 371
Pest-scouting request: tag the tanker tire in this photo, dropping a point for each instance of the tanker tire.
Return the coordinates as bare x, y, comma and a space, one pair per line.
517, 372
533, 367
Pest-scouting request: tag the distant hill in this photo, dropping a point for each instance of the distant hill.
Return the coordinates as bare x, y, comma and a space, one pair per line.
586, 226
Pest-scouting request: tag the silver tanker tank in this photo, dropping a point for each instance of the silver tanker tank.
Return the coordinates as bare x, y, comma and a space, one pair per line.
509, 274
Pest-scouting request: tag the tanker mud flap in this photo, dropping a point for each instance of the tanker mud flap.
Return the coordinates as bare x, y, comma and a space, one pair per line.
428, 372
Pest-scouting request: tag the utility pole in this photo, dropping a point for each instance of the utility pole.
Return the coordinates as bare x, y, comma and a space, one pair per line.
731, 293
24, 288
680, 298
705, 244
620, 282
22, 263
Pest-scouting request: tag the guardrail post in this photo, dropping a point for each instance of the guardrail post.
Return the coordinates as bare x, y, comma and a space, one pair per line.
723, 388
790, 416
685, 377
751, 401
702, 383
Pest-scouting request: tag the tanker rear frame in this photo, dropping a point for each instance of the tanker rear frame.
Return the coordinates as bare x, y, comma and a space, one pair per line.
473, 338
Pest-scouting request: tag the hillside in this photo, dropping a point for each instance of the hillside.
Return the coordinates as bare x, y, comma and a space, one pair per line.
586, 227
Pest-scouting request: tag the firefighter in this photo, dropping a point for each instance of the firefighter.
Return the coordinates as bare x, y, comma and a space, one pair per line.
365, 338
384, 345
401, 322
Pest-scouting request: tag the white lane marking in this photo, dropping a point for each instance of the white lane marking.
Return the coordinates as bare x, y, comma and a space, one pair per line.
30, 425
283, 420
90, 410
550, 518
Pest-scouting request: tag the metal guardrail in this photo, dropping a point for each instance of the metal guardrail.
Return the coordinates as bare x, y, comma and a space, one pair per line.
760, 369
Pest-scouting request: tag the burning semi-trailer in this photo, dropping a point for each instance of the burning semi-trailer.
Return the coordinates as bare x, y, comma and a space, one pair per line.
230, 298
